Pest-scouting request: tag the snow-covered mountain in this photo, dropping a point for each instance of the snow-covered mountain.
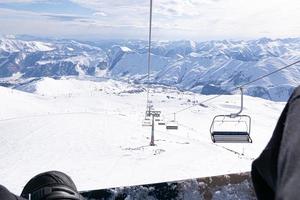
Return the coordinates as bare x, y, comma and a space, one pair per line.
204, 67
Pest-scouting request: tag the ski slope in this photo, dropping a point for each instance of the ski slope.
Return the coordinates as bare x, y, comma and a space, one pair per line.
92, 131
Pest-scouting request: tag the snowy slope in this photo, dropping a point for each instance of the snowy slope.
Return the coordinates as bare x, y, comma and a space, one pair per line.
92, 131
12, 45
202, 67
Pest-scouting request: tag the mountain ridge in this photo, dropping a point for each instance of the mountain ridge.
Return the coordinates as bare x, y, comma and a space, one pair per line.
202, 67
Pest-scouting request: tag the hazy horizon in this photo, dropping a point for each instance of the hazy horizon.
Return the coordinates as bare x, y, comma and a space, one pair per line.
87, 39
199, 20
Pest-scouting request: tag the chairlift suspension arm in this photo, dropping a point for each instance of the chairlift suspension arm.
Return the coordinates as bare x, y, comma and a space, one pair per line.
242, 105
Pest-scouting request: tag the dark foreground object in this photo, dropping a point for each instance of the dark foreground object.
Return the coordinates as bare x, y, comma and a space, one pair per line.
231, 187
276, 173
51, 185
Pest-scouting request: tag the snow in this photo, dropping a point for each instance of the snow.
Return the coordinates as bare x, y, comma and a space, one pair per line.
14, 45
134, 64
16, 76
125, 49
92, 131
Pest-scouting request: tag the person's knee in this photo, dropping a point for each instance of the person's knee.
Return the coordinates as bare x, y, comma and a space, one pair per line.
54, 184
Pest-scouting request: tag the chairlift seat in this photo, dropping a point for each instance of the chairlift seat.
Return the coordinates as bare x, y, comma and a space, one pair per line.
230, 137
161, 123
172, 125
229, 133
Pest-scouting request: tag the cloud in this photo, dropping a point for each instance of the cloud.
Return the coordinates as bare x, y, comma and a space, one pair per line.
61, 17
17, 1
179, 19
135, 7
22, 15
25, 1
102, 14
63, 26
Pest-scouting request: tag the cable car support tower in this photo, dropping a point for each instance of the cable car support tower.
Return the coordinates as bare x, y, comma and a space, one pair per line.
150, 112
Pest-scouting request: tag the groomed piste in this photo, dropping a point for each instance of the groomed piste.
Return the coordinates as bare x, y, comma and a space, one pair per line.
92, 130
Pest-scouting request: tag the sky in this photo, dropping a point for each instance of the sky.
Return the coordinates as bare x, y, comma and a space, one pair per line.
172, 19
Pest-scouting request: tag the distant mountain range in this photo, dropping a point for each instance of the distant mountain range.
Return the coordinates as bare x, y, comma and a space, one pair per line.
203, 67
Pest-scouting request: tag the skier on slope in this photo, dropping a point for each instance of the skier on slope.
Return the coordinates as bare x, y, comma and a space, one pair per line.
51, 185
276, 172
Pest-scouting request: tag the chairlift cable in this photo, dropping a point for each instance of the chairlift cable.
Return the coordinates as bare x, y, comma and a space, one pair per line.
259, 78
241, 86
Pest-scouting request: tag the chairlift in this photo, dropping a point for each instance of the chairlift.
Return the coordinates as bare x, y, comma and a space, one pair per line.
148, 117
149, 108
160, 120
232, 128
172, 125
147, 121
